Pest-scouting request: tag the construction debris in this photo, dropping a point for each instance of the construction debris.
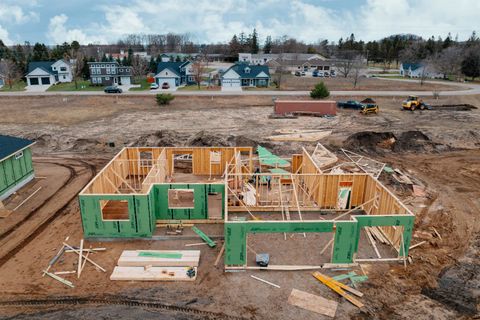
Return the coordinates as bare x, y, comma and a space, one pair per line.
154, 274
365, 164
159, 258
65, 282
313, 303
265, 281
340, 288
302, 136
204, 237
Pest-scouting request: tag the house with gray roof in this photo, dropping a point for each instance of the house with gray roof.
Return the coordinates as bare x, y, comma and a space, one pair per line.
263, 58
48, 72
245, 75
174, 74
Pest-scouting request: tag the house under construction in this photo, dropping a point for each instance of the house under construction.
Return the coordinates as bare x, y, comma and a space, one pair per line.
251, 194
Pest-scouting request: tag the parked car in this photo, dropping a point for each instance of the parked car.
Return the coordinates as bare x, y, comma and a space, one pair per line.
298, 74
113, 89
332, 73
154, 86
317, 73
165, 85
350, 104
303, 73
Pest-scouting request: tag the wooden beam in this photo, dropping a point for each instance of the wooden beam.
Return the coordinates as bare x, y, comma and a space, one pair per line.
220, 254
354, 209
80, 254
327, 245
88, 259
339, 288
265, 281
372, 242
125, 182
23, 202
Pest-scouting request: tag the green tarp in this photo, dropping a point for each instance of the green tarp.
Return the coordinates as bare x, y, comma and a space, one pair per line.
269, 159
169, 255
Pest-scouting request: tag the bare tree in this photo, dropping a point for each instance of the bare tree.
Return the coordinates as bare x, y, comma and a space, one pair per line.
345, 62
198, 69
358, 65
9, 71
76, 62
449, 61
139, 67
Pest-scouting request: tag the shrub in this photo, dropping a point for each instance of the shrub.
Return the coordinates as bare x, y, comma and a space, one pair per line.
164, 98
320, 91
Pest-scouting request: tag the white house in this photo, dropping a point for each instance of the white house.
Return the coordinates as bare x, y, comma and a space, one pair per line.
48, 72
2, 80
418, 70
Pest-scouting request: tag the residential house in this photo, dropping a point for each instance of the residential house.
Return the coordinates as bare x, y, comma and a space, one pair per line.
2, 80
245, 75
175, 74
109, 73
322, 67
264, 58
16, 168
175, 56
418, 70
48, 72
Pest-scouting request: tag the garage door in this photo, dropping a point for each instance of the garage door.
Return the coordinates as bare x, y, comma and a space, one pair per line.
125, 80
45, 80
33, 81
231, 83
171, 82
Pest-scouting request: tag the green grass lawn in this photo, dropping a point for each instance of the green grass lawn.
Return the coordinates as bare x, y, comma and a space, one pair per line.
83, 85
17, 86
144, 85
195, 88
260, 88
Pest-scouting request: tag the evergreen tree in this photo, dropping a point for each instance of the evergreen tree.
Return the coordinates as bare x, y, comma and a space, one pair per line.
85, 69
254, 47
267, 48
234, 46
471, 64
152, 66
447, 42
40, 52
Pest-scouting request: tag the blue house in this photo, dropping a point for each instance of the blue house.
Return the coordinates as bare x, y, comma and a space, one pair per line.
245, 75
174, 74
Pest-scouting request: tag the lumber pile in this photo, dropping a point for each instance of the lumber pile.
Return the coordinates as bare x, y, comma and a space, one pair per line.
157, 265
159, 258
340, 288
309, 136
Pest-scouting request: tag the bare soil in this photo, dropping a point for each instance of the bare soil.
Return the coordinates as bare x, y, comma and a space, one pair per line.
290, 82
439, 148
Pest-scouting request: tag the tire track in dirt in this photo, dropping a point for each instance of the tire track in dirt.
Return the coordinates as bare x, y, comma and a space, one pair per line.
24, 231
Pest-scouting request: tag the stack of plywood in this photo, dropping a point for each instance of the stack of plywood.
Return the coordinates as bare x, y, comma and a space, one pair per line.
157, 265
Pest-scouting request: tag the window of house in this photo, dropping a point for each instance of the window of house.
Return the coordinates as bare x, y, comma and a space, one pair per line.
180, 199
98, 71
215, 157
63, 69
18, 155
64, 77
114, 210
326, 68
108, 70
94, 80
146, 158
107, 78
121, 70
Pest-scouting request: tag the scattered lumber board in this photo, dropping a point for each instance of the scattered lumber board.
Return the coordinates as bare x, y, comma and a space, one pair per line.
65, 282
159, 258
152, 274
313, 303
340, 288
265, 281
204, 237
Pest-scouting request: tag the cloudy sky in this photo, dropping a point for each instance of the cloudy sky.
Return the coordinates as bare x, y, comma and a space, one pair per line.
105, 21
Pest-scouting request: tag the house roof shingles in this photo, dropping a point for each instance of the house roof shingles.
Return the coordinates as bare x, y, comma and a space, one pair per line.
173, 66
10, 145
240, 69
44, 65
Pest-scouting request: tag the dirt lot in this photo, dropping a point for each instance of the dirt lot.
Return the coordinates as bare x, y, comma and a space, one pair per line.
439, 148
290, 82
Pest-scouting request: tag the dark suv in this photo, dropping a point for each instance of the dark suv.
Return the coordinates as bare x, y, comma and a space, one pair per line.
112, 89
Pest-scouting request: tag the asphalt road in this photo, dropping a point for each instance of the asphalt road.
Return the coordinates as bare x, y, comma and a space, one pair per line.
463, 89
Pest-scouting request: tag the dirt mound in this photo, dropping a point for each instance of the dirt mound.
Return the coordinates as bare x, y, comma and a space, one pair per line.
381, 142
162, 138
455, 107
204, 139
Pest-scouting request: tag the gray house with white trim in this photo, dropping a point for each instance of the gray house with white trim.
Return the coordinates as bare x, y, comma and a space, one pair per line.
109, 73
48, 72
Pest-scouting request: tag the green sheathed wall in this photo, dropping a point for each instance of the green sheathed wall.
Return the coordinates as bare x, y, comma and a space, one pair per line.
15, 171
144, 210
236, 235
138, 225
200, 210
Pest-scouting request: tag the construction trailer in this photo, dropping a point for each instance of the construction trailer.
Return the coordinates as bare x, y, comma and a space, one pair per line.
16, 168
141, 187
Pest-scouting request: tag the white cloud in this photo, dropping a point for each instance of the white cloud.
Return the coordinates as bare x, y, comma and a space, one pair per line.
11, 13
5, 37
59, 33
310, 21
